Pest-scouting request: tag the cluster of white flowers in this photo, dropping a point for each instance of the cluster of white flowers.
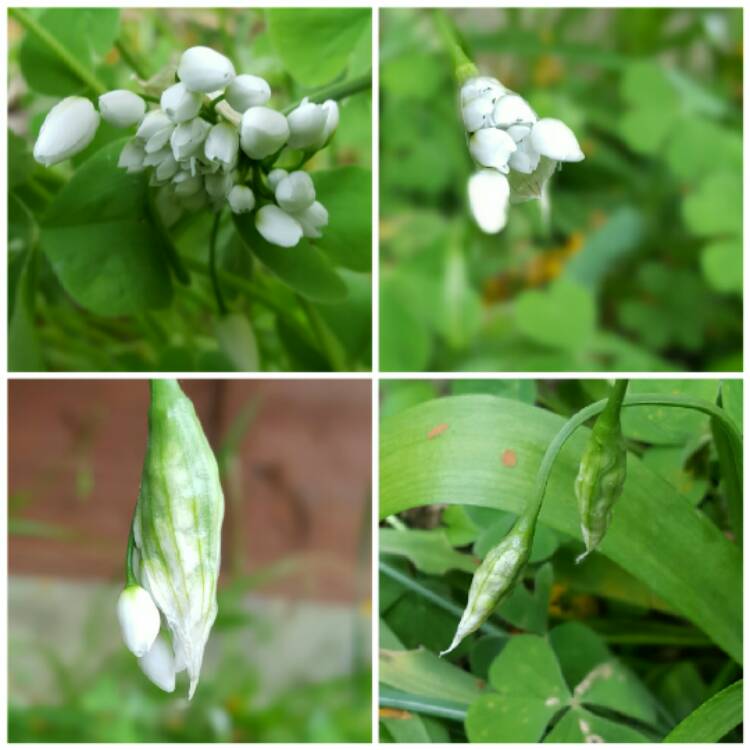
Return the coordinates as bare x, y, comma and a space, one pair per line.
505, 134
206, 141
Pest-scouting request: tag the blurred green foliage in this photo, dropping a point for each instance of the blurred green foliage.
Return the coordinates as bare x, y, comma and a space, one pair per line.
640, 266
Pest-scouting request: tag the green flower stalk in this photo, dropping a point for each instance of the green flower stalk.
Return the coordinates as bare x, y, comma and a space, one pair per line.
601, 475
175, 547
495, 578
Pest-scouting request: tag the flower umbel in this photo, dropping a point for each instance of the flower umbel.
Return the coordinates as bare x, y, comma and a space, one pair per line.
175, 549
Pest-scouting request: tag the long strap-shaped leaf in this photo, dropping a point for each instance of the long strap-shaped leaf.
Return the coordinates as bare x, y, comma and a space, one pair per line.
457, 450
711, 721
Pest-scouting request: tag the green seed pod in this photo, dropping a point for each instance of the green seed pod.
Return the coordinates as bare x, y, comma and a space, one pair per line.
177, 527
601, 474
495, 578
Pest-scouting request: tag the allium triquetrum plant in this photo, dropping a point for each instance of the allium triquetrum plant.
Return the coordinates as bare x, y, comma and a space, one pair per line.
202, 204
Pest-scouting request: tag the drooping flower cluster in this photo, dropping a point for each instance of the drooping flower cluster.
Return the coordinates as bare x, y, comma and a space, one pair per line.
505, 134
210, 143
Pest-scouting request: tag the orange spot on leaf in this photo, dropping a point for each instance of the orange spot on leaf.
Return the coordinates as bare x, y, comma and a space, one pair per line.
509, 458
435, 431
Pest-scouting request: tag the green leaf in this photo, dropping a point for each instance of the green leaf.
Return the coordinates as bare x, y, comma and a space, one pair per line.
664, 425
658, 546
423, 673
530, 691
721, 262
404, 340
528, 610
87, 34
669, 462
429, 550
716, 206
521, 390
101, 243
581, 726
562, 316
315, 44
237, 341
731, 400
713, 720
24, 350
304, 268
20, 160
346, 194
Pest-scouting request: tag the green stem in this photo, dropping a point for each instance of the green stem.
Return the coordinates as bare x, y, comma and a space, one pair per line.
44, 36
421, 705
327, 342
212, 264
463, 66
336, 91
172, 257
131, 60
531, 513
130, 579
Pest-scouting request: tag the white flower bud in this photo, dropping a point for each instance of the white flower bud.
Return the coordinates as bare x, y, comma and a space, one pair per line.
263, 131
218, 185
152, 123
555, 140
241, 199
68, 128
295, 192
122, 108
331, 109
511, 110
277, 226
478, 113
222, 145
525, 158
205, 70
188, 137
489, 192
518, 132
132, 156
307, 125
139, 619
490, 147
313, 219
481, 86
158, 664
247, 91
275, 176
180, 104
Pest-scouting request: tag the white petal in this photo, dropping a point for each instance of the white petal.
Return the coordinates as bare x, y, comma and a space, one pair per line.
241, 199
277, 226
158, 664
139, 619
263, 132
555, 140
247, 91
122, 108
491, 147
132, 156
481, 86
275, 176
313, 219
488, 199
152, 123
307, 125
222, 145
526, 158
179, 103
204, 69
511, 110
478, 113
295, 192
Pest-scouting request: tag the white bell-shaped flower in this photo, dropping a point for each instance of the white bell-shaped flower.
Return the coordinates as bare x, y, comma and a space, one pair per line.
241, 199
275, 176
152, 123
247, 91
155, 158
204, 69
277, 226
295, 192
167, 168
160, 139
489, 192
511, 110
132, 156
139, 619
180, 104
313, 219
307, 124
491, 147
188, 137
481, 86
525, 158
222, 145
68, 128
158, 664
263, 131
555, 140
122, 108
477, 113
218, 185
